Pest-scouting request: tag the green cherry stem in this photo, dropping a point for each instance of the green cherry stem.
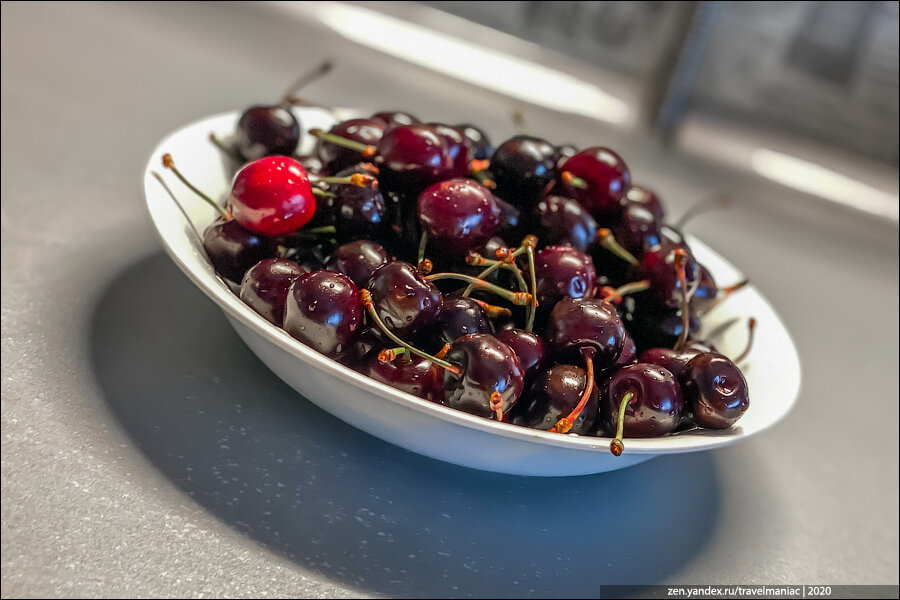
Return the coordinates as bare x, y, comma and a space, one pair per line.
476, 260
518, 298
337, 140
169, 163
530, 242
608, 241
365, 297
617, 446
629, 288
225, 149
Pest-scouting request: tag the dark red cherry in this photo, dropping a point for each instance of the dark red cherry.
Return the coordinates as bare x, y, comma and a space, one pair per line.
522, 167
606, 177
272, 196
459, 215
715, 391
674, 361
652, 329
564, 152
403, 299
643, 196
706, 291
509, 216
357, 260
308, 253
462, 316
490, 379
527, 346
266, 131
365, 131
408, 373
628, 355
554, 395
324, 312
562, 220
233, 249
637, 228
357, 210
457, 148
312, 164
657, 265
656, 404
396, 118
563, 271
265, 286
580, 323
412, 157
479, 144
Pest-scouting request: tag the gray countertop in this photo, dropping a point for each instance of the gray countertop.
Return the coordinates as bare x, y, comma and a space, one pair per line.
146, 451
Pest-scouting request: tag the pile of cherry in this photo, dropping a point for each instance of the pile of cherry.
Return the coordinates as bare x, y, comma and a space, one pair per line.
532, 283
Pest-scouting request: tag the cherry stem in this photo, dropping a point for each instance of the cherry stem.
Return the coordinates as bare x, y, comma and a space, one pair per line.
681, 258
315, 73
365, 297
565, 424
322, 193
751, 329
572, 180
322, 229
629, 288
389, 354
478, 165
530, 242
477, 260
608, 241
518, 298
484, 178
169, 163
337, 140
497, 405
726, 293
519, 122
497, 265
442, 353
423, 241
617, 446
707, 204
493, 311
425, 266
357, 179
225, 149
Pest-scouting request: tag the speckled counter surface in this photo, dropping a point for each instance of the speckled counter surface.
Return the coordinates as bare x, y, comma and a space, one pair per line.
146, 451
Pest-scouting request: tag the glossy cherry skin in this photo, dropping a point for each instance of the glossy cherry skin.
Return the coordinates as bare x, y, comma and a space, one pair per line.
265, 286
412, 157
577, 323
365, 131
715, 391
562, 220
404, 300
657, 265
644, 196
637, 228
312, 164
458, 215
272, 196
652, 329
488, 365
656, 407
528, 346
323, 311
266, 131
356, 211
232, 249
554, 394
477, 141
462, 316
357, 260
628, 356
457, 148
396, 118
563, 271
607, 178
411, 374
564, 152
522, 167
674, 361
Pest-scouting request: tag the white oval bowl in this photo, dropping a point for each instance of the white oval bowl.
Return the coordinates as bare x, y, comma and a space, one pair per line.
772, 369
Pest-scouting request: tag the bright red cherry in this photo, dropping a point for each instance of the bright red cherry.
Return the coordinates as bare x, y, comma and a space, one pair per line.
607, 179
272, 196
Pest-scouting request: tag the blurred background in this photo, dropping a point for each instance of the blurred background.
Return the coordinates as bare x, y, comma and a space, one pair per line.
146, 452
